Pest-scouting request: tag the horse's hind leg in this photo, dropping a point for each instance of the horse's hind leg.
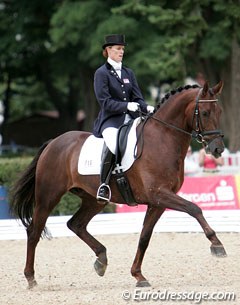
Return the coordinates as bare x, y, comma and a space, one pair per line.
78, 224
45, 200
34, 232
151, 217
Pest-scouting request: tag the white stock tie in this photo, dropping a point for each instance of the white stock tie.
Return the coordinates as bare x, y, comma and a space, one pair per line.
118, 68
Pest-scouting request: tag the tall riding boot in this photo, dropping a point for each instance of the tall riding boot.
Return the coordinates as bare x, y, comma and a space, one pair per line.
104, 191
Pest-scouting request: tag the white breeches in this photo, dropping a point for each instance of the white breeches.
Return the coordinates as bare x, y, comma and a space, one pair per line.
110, 137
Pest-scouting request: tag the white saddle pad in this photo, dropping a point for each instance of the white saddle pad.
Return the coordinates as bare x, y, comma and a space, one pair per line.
89, 162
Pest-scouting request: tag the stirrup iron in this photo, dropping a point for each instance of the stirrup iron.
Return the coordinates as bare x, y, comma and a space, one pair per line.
107, 198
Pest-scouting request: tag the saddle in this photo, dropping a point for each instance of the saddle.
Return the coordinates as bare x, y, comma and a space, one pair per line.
121, 179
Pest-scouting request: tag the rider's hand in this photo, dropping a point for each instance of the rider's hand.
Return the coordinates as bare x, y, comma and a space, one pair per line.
132, 106
150, 109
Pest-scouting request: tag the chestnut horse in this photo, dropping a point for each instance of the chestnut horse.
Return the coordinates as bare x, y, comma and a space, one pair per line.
155, 176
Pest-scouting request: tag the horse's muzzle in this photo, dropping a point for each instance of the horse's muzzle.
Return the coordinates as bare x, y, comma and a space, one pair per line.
218, 152
215, 147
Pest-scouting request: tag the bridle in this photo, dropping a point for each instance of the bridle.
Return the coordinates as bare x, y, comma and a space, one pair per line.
198, 133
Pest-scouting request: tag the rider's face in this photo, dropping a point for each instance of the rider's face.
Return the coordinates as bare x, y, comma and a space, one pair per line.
116, 52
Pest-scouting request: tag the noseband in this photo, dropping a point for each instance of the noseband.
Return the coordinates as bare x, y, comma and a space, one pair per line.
198, 133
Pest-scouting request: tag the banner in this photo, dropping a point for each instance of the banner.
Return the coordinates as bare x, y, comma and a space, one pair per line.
237, 180
209, 193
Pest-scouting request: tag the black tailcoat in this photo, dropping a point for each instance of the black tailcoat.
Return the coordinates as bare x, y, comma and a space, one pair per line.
113, 94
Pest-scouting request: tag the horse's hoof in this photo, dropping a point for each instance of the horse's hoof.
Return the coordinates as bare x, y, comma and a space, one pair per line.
32, 284
143, 284
218, 251
100, 268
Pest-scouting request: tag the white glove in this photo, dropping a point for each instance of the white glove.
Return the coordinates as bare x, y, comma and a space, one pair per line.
132, 106
150, 109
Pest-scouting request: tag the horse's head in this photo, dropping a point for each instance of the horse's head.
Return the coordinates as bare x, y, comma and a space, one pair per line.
205, 122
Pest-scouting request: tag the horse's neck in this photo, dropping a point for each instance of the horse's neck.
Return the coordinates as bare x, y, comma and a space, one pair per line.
173, 111
169, 125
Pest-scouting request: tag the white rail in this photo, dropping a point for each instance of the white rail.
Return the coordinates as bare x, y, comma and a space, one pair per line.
171, 221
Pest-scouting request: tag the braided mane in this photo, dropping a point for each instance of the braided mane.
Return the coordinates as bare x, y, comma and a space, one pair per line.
174, 91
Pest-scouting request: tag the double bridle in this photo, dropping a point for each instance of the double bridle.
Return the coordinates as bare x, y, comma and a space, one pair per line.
198, 133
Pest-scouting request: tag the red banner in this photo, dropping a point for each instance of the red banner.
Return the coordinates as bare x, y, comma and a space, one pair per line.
212, 192
209, 193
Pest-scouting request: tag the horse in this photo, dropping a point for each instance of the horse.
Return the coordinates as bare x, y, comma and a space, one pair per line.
157, 174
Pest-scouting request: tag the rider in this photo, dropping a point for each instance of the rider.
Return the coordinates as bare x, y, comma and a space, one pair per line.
119, 96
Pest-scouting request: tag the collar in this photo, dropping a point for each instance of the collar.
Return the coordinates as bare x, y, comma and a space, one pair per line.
114, 64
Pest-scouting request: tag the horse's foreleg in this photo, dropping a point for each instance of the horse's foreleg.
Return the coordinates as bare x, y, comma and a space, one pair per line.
175, 202
217, 248
151, 217
78, 224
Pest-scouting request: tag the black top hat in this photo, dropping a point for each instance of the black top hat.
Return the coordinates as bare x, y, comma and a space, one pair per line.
114, 39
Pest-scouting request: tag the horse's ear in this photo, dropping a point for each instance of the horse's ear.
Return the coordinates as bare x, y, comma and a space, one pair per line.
218, 88
205, 89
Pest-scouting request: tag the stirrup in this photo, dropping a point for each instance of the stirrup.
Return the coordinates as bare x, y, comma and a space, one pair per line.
103, 196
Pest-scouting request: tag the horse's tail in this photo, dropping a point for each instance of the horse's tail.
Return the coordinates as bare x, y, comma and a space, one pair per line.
22, 199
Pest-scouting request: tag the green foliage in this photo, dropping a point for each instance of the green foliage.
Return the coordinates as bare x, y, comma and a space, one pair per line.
73, 22
25, 92
49, 50
223, 25
68, 205
11, 168
162, 36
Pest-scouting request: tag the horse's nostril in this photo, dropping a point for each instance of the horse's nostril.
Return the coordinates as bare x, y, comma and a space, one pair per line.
219, 150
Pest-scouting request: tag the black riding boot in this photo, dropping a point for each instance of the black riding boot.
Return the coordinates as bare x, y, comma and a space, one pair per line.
104, 191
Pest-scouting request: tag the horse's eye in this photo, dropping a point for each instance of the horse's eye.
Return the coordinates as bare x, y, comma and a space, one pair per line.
205, 113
